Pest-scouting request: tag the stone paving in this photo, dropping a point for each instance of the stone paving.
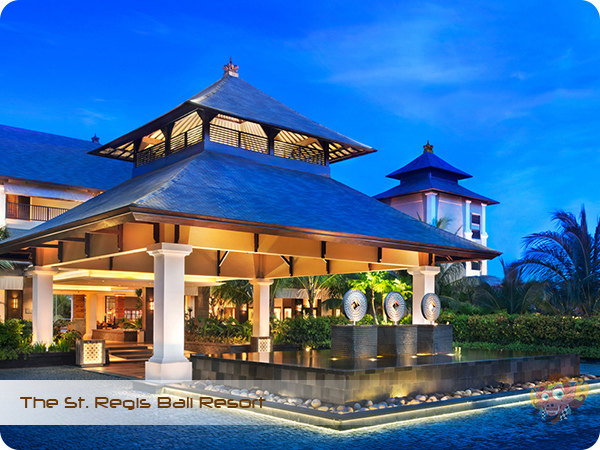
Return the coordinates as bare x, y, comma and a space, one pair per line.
54, 373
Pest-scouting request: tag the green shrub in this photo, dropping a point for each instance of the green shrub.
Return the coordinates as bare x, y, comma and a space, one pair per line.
229, 331
528, 329
61, 346
12, 340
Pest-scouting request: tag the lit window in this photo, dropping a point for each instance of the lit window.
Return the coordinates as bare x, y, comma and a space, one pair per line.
476, 226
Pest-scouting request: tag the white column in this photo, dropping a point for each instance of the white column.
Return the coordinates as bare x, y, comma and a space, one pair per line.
100, 307
168, 362
260, 304
91, 302
431, 213
484, 237
423, 283
467, 233
2, 206
2, 304
43, 314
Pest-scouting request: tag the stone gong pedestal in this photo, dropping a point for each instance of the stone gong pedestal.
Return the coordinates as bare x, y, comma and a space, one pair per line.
397, 340
434, 338
353, 341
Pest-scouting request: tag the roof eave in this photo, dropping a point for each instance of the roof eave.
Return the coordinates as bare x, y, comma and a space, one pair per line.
136, 214
487, 201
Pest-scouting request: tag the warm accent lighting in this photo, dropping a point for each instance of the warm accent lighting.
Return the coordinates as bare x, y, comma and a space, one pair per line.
15, 303
151, 306
90, 353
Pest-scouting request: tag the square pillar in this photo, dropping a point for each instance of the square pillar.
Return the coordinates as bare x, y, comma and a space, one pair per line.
43, 303
261, 340
91, 305
423, 283
168, 362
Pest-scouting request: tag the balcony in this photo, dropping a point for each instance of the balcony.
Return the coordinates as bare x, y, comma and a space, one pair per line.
233, 138
23, 211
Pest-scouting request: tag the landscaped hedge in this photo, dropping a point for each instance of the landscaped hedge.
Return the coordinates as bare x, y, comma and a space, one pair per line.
529, 329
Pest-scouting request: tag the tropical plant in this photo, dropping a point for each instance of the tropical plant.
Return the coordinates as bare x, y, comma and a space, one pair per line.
512, 295
375, 284
233, 292
317, 285
567, 261
5, 266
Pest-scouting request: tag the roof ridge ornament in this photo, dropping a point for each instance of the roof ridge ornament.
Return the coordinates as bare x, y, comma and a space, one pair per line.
428, 148
95, 139
231, 69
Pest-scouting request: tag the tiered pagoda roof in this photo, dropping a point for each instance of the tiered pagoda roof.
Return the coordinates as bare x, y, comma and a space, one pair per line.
430, 173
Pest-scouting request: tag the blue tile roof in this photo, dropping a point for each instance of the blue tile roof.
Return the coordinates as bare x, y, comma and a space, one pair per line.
49, 158
425, 162
233, 96
433, 184
231, 189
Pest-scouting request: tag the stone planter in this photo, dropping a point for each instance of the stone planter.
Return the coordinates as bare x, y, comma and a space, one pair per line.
434, 338
354, 341
214, 348
396, 340
116, 335
40, 360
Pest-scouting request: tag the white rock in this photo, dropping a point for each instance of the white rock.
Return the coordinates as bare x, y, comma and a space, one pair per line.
421, 398
357, 407
323, 408
235, 392
340, 408
368, 403
316, 403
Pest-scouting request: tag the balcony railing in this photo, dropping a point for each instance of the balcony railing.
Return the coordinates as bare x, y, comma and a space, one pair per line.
37, 213
233, 138
178, 143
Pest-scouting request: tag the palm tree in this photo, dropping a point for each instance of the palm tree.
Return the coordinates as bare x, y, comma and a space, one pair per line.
234, 292
512, 295
314, 285
567, 261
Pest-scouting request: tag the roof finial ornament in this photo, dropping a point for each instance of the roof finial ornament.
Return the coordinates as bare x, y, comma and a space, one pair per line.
428, 148
231, 69
95, 139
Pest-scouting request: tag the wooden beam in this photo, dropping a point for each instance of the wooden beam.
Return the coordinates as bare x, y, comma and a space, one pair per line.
290, 263
86, 250
156, 232
167, 131
120, 241
44, 246
221, 260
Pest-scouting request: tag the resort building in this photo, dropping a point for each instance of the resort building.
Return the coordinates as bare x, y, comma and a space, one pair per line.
231, 184
429, 190
41, 176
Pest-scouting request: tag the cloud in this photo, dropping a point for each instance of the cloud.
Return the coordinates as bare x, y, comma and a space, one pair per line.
92, 117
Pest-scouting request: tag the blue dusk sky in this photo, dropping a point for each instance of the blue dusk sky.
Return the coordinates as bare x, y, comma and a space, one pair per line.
508, 91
